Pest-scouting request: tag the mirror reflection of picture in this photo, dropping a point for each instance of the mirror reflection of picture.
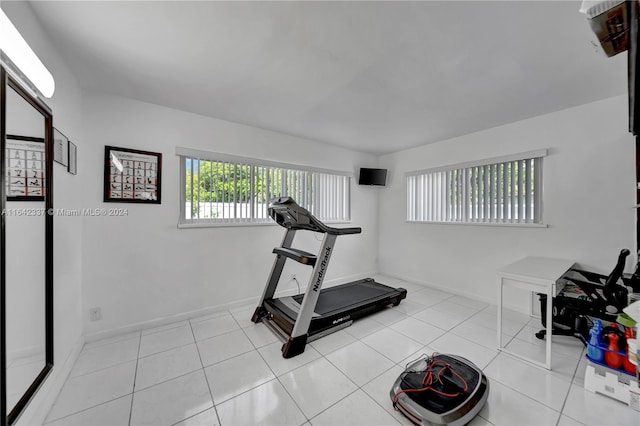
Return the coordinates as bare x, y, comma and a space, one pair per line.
25, 165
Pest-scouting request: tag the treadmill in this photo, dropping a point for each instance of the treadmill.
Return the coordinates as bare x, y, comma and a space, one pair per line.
318, 312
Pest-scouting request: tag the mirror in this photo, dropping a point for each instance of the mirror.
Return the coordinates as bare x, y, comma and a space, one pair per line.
26, 244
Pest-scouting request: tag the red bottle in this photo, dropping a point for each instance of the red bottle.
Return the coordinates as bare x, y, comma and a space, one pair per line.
628, 366
614, 360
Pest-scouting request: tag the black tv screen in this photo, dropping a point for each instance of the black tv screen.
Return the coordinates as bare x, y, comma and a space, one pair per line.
373, 177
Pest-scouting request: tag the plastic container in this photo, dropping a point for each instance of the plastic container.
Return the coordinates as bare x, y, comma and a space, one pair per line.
605, 350
632, 345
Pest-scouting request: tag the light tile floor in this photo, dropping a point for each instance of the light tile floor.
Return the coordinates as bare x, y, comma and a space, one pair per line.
20, 373
224, 370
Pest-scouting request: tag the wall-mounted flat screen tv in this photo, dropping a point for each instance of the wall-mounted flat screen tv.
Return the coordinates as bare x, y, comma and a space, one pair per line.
376, 177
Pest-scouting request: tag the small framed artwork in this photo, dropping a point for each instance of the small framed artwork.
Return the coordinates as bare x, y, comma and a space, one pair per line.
60, 148
73, 159
25, 168
132, 176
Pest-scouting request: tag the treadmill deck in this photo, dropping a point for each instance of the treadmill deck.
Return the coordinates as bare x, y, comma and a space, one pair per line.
338, 304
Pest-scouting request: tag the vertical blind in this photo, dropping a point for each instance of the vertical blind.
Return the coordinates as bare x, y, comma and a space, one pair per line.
223, 189
501, 190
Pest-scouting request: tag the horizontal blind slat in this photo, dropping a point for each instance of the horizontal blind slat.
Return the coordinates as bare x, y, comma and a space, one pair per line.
506, 192
239, 192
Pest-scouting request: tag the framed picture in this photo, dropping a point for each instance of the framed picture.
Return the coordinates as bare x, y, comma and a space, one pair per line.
60, 148
25, 163
73, 159
132, 176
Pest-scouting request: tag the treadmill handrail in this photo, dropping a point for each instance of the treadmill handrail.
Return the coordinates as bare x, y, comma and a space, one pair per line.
289, 214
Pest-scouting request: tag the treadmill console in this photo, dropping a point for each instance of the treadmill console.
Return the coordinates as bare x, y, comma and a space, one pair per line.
287, 213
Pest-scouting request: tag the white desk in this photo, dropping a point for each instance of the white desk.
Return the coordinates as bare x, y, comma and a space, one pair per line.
534, 274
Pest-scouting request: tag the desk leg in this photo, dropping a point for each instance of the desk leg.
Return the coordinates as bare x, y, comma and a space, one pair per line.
549, 323
500, 283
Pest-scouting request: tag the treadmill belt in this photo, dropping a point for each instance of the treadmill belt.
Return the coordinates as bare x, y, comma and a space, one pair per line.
335, 297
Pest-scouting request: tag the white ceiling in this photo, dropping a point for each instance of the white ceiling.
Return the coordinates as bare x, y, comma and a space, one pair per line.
371, 76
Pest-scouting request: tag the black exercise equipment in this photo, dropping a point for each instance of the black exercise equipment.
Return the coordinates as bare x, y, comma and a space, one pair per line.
440, 390
588, 295
300, 319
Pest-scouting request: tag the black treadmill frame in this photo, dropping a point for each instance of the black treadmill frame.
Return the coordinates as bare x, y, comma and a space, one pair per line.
298, 328
285, 317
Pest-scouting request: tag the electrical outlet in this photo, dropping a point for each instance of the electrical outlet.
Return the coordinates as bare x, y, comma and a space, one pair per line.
95, 314
292, 277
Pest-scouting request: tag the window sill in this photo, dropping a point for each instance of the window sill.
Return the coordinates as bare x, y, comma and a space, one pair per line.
236, 224
498, 224
221, 224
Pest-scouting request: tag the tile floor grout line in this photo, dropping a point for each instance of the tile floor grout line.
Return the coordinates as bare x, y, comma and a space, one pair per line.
86, 350
380, 353
135, 359
93, 406
524, 395
395, 364
102, 368
287, 390
217, 335
326, 356
357, 387
167, 350
290, 371
86, 409
109, 340
348, 378
213, 402
168, 380
374, 400
194, 415
287, 372
209, 317
187, 344
135, 373
165, 327
337, 402
566, 397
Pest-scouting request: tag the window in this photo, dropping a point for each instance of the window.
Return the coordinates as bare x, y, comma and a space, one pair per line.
505, 190
223, 189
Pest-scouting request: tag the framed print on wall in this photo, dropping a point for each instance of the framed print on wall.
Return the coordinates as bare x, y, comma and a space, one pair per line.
25, 168
132, 176
73, 159
60, 148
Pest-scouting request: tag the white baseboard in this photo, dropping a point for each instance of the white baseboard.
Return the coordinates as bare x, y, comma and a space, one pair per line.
157, 322
347, 279
25, 353
489, 300
37, 410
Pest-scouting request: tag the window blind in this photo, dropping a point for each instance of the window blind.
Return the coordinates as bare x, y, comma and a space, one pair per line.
500, 190
223, 189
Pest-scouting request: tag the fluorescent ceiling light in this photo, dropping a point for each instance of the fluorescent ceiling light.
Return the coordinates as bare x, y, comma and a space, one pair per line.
20, 54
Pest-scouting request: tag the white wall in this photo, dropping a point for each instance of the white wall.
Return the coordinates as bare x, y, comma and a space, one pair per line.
140, 267
589, 192
67, 112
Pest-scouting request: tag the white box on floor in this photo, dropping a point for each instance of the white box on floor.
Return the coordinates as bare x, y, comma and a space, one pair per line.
612, 384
